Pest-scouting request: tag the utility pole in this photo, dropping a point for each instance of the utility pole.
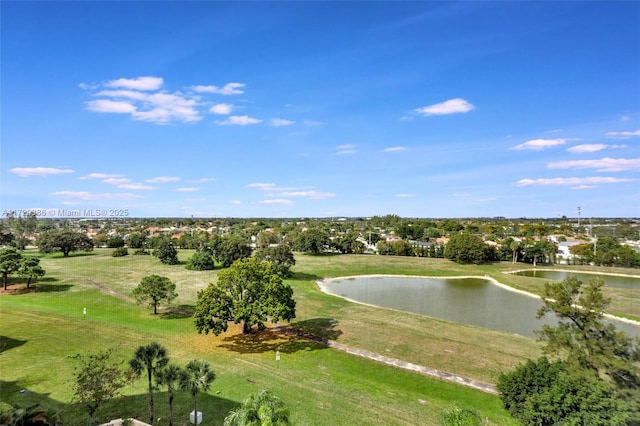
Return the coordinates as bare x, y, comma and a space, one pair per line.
579, 212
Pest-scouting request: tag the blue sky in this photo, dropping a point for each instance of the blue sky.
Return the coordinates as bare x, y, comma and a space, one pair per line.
315, 109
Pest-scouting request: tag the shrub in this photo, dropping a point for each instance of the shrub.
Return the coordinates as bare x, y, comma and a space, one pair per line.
120, 251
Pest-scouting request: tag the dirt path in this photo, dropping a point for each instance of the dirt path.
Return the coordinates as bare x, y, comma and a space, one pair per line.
439, 374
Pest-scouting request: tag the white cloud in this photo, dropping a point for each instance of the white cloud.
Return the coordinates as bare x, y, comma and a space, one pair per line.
308, 194
277, 201
540, 144
227, 89
39, 171
279, 122
575, 181
107, 105
239, 120
405, 195
395, 149
622, 135
204, 180
236, 202
593, 147
138, 99
162, 179
136, 186
140, 83
452, 106
312, 123
190, 189
222, 109
101, 176
88, 196
602, 165
263, 186
116, 180
345, 149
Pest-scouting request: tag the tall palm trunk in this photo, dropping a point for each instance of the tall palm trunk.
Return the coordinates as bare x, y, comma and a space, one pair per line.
149, 368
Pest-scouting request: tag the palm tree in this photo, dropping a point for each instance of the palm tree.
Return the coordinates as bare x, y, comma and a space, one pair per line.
169, 376
262, 408
150, 357
196, 376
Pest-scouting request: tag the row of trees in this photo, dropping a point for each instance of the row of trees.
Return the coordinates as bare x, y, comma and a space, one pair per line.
594, 378
606, 251
100, 377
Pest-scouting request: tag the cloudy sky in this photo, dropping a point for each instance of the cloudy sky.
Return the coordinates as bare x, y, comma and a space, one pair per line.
288, 109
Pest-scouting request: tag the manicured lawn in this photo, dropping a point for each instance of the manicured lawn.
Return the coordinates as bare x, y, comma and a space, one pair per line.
41, 330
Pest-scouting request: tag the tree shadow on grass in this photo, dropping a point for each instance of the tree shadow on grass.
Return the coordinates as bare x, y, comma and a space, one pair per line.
42, 285
281, 338
303, 276
177, 312
213, 408
7, 343
321, 329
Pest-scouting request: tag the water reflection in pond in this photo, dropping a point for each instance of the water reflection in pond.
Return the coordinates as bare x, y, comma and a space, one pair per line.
473, 301
617, 281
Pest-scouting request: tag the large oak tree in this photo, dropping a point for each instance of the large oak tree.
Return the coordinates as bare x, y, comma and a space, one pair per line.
249, 292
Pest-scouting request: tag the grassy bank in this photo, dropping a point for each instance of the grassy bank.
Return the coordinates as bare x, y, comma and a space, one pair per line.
42, 329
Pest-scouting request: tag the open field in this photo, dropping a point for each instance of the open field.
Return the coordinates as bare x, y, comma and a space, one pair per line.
321, 386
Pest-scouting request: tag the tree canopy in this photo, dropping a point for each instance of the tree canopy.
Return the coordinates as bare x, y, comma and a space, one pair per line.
468, 248
166, 251
63, 240
155, 289
249, 292
281, 258
229, 248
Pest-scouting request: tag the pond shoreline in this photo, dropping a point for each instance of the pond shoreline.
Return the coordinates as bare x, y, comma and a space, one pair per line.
492, 280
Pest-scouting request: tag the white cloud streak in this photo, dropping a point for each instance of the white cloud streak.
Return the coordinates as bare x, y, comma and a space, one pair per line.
395, 149
189, 189
280, 201
623, 135
540, 144
239, 120
575, 181
594, 147
405, 195
140, 83
602, 165
88, 196
345, 149
163, 179
227, 89
308, 194
101, 176
39, 171
279, 122
451, 106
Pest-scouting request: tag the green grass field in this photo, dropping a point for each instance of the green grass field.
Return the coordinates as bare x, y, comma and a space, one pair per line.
42, 329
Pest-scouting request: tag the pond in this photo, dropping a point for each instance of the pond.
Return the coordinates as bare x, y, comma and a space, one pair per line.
618, 281
473, 301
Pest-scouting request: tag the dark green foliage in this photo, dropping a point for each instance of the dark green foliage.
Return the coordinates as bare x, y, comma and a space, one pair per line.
545, 393
249, 292
312, 241
261, 408
349, 243
115, 242
195, 377
150, 358
395, 248
120, 252
63, 240
98, 379
169, 376
166, 251
281, 257
581, 336
468, 248
230, 248
33, 415
155, 289
136, 241
10, 261
200, 261
142, 251
30, 268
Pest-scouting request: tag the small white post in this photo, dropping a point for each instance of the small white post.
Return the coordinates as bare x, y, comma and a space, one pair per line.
278, 359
